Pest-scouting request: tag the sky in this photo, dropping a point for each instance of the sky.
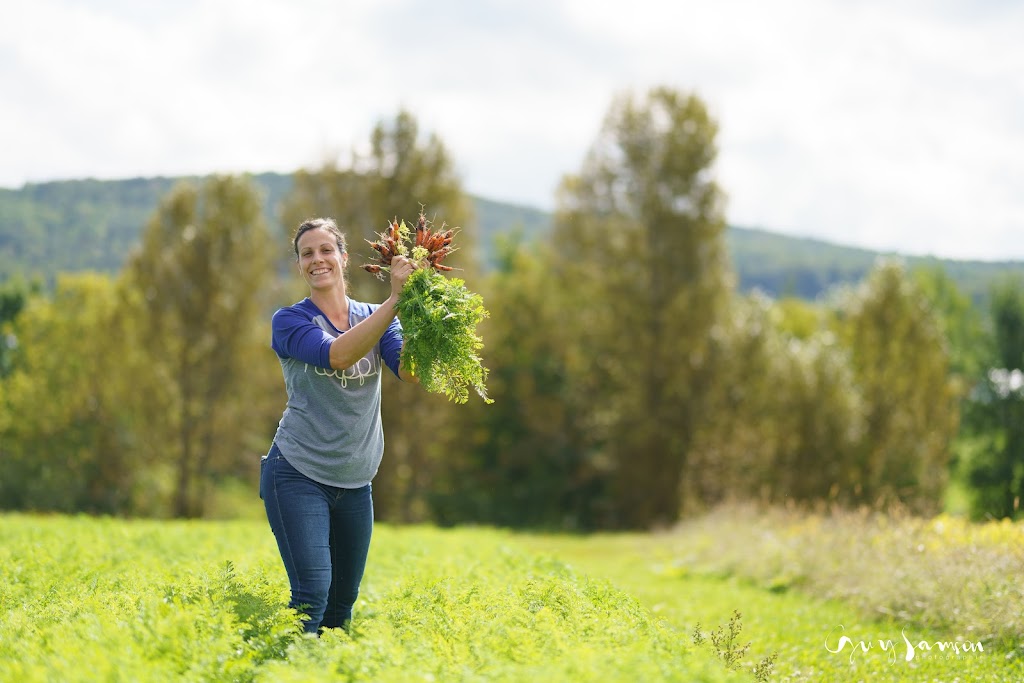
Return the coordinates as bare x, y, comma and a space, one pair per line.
892, 125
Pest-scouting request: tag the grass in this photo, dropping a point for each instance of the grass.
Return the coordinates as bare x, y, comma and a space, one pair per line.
99, 599
798, 627
942, 573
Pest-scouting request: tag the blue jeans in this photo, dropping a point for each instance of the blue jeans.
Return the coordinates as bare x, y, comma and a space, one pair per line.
323, 533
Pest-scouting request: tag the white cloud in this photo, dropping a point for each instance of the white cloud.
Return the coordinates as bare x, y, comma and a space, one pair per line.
886, 125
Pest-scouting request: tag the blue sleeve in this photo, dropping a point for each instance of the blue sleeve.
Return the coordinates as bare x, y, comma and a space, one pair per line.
296, 336
391, 345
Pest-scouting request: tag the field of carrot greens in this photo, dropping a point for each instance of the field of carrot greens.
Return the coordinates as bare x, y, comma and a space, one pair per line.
87, 599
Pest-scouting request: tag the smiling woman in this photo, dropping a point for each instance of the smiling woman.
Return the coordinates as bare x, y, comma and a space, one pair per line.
315, 481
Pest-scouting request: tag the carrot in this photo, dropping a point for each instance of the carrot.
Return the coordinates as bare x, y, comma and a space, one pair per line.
434, 243
422, 231
439, 255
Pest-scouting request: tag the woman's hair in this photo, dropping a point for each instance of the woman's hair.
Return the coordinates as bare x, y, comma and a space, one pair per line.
327, 224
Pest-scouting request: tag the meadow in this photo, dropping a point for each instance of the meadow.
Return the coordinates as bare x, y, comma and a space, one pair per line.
102, 599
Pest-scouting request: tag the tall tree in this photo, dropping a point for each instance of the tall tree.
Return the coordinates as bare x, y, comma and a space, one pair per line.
202, 272
405, 171
901, 364
641, 228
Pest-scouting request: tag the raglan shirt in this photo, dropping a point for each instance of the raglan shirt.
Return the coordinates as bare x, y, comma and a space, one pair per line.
331, 427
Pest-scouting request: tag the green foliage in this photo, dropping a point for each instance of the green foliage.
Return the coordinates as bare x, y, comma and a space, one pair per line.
1008, 322
995, 414
99, 599
93, 599
961, 321
798, 318
69, 436
14, 295
522, 461
786, 415
439, 322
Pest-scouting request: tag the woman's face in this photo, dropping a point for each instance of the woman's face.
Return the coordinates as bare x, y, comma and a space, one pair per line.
320, 262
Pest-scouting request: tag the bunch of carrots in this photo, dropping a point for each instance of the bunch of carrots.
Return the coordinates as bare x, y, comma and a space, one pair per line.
430, 247
439, 315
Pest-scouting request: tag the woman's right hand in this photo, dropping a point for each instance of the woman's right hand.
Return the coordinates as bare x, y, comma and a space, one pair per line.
401, 269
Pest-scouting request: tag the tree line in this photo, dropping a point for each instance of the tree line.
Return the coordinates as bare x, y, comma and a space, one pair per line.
633, 382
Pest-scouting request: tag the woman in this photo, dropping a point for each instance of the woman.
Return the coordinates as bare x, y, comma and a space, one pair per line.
315, 481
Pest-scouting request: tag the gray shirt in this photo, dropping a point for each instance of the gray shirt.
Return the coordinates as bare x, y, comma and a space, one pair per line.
331, 427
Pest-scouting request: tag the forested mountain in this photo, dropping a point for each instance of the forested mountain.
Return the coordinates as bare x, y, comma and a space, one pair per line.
75, 225
782, 265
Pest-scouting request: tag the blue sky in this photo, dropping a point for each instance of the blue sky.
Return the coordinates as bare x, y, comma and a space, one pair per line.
892, 125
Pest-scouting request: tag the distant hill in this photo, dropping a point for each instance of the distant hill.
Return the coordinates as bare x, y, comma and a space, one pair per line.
782, 265
75, 225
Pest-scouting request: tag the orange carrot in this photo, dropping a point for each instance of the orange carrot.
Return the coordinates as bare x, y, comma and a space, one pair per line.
422, 231
439, 255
